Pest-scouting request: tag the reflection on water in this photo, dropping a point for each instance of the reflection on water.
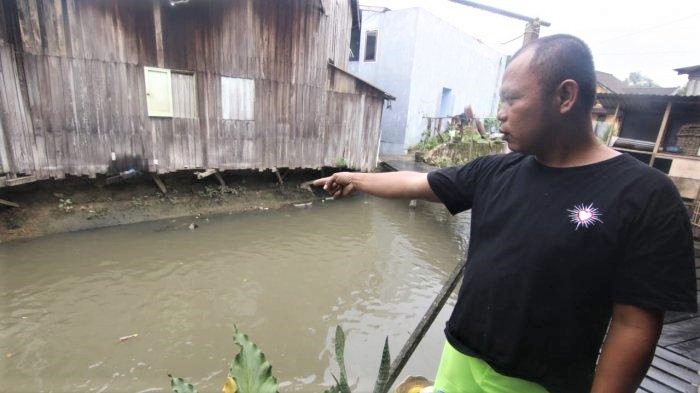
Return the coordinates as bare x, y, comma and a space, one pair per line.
287, 278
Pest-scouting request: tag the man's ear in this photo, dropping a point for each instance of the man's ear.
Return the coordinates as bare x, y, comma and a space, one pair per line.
566, 96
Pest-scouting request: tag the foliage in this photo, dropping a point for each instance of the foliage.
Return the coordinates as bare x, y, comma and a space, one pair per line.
66, 205
383, 376
492, 125
341, 163
220, 192
341, 385
250, 372
178, 385
249, 369
636, 79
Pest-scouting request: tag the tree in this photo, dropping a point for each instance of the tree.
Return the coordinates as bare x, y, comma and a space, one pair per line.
636, 79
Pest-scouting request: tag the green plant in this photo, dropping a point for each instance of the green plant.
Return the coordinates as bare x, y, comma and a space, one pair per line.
341, 386
341, 163
66, 205
250, 372
491, 125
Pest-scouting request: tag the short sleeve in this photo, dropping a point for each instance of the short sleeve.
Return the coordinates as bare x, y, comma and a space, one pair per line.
657, 270
455, 186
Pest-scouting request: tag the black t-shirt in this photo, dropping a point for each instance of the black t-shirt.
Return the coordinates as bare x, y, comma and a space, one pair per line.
551, 250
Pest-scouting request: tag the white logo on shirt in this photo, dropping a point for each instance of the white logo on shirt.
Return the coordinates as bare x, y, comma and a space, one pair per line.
584, 216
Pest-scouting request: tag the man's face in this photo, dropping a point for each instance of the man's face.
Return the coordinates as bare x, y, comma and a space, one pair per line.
523, 110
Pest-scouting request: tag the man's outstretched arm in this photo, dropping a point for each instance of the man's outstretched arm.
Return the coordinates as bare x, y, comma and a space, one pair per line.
628, 349
397, 185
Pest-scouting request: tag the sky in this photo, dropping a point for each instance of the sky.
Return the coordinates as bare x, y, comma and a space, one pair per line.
625, 36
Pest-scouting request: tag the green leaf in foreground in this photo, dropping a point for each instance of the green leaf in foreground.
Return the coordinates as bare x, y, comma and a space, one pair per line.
250, 369
178, 385
383, 377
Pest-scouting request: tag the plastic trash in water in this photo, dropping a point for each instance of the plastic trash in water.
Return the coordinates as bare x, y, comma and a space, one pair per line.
129, 337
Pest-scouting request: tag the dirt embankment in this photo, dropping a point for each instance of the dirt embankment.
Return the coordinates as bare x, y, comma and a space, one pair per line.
77, 203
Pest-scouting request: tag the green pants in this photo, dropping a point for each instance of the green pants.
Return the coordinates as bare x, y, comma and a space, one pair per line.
459, 373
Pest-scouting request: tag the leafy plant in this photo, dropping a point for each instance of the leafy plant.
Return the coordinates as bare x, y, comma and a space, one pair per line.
250, 372
341, 163
491, 125
66, 205
249, 369
341, 385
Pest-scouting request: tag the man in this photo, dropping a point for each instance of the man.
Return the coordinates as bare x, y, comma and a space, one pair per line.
575, 250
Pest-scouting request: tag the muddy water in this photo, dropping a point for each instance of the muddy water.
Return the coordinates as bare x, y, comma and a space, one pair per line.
287, 278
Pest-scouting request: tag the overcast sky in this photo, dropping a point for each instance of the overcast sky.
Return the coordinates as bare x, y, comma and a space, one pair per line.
651, 37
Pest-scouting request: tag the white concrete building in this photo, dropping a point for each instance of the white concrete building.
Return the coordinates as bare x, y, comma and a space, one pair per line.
431, 67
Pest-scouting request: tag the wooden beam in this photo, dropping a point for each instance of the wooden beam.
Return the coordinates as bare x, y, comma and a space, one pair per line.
159, 183
615, 129
662, 133
279, 178
158, 27
208, 172
8, 203
220, 179
20, 180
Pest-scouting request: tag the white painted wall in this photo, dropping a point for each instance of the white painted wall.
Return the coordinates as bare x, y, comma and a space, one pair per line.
418, 55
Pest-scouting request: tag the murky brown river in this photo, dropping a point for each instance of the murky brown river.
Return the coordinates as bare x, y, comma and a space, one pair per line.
287, 278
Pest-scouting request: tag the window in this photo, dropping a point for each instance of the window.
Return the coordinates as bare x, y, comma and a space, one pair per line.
237, 98
159, 98
184, 95
170, 93
371, 46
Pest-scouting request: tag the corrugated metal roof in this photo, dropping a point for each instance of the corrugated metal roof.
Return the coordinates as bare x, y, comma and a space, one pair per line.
387, 96
643, 101
688, 70
610, 82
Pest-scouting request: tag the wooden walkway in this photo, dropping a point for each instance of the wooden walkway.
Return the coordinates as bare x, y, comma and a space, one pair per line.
676, 364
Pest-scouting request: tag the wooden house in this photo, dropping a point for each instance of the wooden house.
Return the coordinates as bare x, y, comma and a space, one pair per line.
662, 131
93, 87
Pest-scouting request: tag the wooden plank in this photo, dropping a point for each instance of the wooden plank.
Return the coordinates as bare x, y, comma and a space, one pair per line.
20, 180
650, 385
158, 32
683, 373
690, 348
8, 203
662, 133
668, 379
159, 183
677, 332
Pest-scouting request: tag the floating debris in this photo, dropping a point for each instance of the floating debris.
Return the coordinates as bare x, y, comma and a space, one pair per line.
129, 337
193, 226
303, 205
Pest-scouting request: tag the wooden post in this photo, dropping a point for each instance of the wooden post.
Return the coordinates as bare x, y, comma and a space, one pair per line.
8, 203
614, 125
279, 178
424, 324
532, 31
158, 27
159, 183
661, 134
220, 179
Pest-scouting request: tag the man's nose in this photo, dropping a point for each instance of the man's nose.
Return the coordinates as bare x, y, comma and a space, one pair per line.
501, 114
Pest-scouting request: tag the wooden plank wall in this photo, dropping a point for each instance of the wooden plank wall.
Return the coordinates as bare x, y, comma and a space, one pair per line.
85, 90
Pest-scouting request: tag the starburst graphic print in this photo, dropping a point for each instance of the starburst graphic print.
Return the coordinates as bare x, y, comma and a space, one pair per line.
584, 216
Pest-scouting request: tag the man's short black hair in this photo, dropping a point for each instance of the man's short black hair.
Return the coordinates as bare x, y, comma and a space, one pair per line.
559, 57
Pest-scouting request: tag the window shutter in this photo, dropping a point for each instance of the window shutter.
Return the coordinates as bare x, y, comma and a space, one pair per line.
158, 92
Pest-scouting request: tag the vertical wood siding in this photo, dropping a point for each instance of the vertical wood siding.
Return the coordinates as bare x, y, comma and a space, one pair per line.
81, 63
